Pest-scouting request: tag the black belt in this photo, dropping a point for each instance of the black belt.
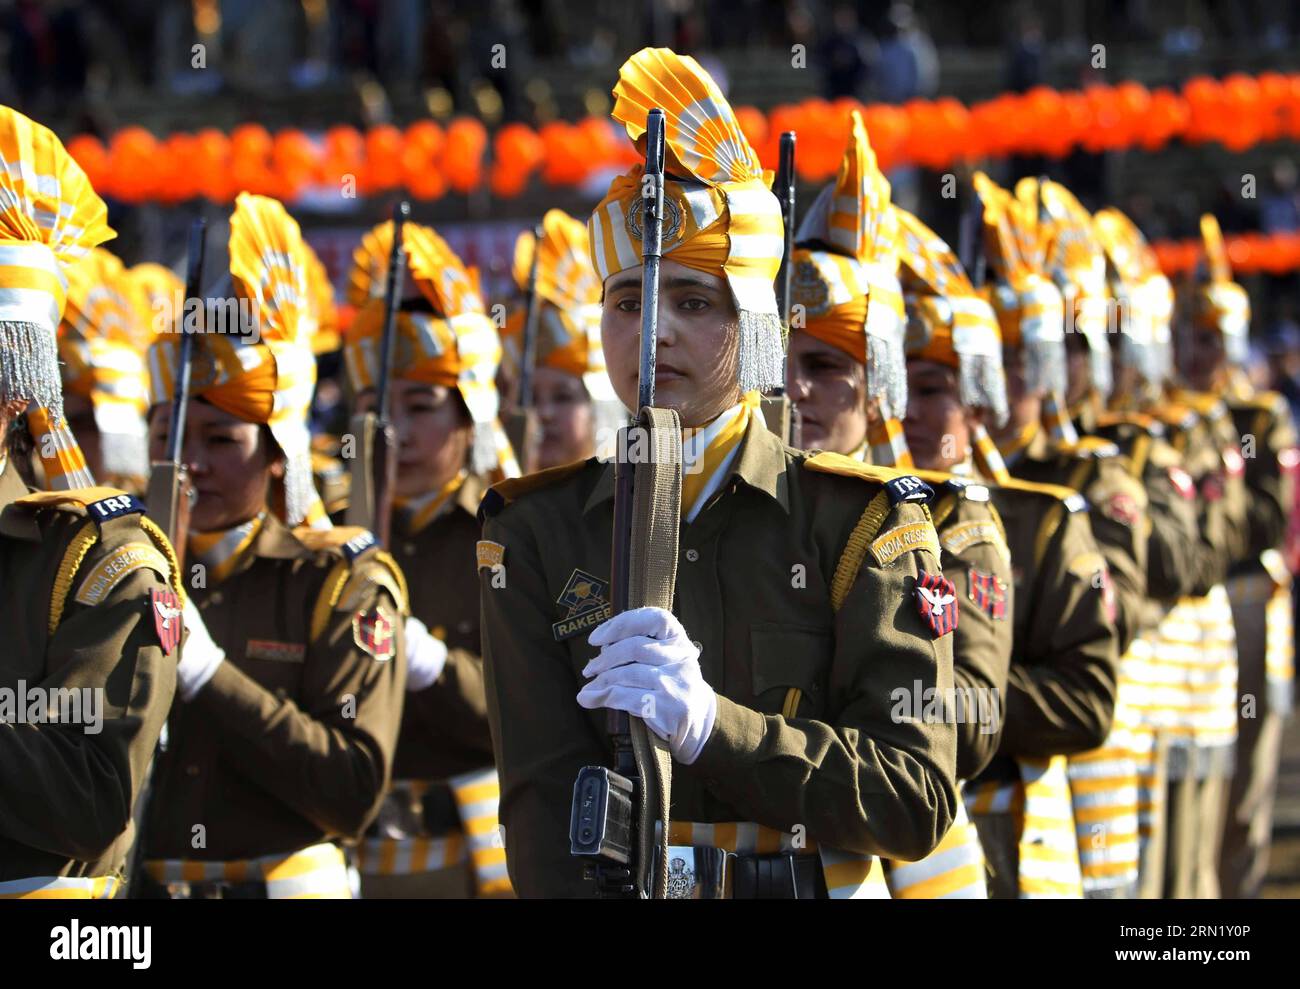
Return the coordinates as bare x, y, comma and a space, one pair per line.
148, 888
700, 873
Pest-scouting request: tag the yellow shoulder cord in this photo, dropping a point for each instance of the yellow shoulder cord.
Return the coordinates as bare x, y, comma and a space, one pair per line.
1080, 474
76, 552
1002, 531
1046, 529
384, 557
329, 597
945, 508
1141, 450
165, 547
846, 571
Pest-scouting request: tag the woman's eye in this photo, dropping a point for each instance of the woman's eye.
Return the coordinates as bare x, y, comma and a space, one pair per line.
628, 305
695, 305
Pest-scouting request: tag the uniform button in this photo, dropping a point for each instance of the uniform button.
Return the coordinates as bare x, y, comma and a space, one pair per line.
191, 770
465, 627
408, 549
692, 555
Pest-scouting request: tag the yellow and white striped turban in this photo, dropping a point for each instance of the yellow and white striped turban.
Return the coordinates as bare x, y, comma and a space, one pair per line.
267, 373
324, 310
49, 218
1029, 306
568, 330
1144, 294
947, 320
1219, 302
162, 293
455, 345
845, 274
719, 215
1077, 264
102, 342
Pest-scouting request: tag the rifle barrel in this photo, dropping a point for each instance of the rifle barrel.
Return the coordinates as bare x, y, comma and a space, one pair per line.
785, 190
396, 266
652, 216
181, 387
528, 357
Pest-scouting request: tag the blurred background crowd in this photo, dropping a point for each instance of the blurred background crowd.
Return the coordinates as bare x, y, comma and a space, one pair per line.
97, 66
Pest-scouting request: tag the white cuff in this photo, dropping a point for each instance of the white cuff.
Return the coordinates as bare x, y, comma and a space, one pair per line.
200, 656
426, 655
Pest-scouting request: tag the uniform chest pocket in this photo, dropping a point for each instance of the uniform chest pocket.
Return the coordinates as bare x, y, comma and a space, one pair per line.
276, 665
791, 668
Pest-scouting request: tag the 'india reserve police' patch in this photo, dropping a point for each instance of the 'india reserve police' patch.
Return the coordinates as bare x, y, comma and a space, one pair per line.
585, 603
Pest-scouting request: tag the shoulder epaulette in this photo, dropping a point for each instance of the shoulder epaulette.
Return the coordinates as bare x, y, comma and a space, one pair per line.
502, 493
102, 504
901, 485
1070, 498
346, 583
1093, 448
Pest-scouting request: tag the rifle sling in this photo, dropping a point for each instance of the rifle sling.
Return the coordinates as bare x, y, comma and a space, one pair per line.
652, 564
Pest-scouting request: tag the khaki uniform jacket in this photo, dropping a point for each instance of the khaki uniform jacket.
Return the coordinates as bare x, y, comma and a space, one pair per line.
68, 793
1264, 422
291, 742
1061, 689
1220, 500
1171, 502
974, 550
754, 591
1117, 511
445, 727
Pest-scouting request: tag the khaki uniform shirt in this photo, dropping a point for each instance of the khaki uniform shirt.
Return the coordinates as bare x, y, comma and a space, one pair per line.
1063, 680
754, 592
975, 557
291, 742
1117, 511
69, 788
445, 726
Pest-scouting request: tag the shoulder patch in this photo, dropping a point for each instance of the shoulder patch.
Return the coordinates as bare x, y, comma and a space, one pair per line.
1076, 503
504, 492
116, 567
489, 554
956, 539
100, 503
909, 488
974, 492
889, 546
350, 541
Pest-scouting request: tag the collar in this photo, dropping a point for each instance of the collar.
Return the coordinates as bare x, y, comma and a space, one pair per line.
761, 465
21, 525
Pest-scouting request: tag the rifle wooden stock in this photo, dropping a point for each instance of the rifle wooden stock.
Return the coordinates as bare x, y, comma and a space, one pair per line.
374, 475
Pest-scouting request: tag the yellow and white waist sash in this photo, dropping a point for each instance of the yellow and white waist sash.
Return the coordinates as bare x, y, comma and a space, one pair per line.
317, 872
849, 876
60, 888
953, 871
1047, 846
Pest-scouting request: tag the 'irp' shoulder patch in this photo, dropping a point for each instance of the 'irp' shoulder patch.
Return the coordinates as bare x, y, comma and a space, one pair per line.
584, 603
116, 567
909, 488
889, 546
489, 554
358, 544
114, 507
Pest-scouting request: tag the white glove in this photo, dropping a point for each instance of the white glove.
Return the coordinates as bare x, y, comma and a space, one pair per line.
648, 667
426, 655
200, 656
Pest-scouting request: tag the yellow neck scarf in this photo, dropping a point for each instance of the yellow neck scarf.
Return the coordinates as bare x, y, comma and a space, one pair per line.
419, 511
220, 551
708, 452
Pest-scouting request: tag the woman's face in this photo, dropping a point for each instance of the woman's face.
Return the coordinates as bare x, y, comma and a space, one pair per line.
697, 342
434, 434
1078, 368
231, 463
937, 426
79, 412
829, 387
1024, 405
1206, 358
566, 417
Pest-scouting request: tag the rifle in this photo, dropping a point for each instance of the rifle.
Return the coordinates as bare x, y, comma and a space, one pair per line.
169, 495
521, 426
970, 240
169, 498
374, 468
615, 811
779, 412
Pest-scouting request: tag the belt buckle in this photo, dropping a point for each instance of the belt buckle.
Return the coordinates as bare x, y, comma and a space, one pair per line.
698, 873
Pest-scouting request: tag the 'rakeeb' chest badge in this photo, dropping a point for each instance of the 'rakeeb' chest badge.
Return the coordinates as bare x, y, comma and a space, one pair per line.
586, 605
